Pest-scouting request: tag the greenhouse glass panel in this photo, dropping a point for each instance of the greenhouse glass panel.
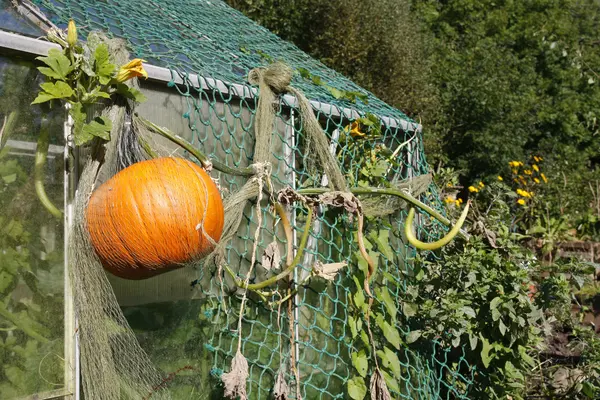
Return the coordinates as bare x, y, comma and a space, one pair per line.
32, 305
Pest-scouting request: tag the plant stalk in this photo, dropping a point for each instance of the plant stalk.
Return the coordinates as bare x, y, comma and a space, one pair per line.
289, 268
41, 156
391, 192
200, 156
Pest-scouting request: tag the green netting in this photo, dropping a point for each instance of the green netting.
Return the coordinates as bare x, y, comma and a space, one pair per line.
196, 338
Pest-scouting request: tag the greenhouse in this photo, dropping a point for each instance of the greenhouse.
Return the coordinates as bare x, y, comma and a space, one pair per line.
295, 292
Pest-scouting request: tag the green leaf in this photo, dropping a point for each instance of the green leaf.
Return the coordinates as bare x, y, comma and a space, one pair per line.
99, 127
361, 363
94, 95
79, 117
357, 389
495, 302
413, 336
359, 297
456, 341
469, 311
50, 73
588, 389
384, 296
60, 65
485, 352
53, 90
102, 66
383, 242
527, 359
365, 338
390, 360
42, 98
336, 93
6, 279
9, 178
496, 314
391, 333
502, 327
409, 309
131, 93
304, 73
473, 341
391, 383
352, 324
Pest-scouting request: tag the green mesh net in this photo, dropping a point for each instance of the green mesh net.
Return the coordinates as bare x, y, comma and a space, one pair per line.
187, 321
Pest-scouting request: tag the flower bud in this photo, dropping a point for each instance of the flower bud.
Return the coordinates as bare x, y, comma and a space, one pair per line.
72, 34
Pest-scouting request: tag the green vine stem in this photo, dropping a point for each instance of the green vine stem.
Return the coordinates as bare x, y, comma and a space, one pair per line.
7, 127
204, 160
17, 322
41, 155
390, 192
410, 235
289, 268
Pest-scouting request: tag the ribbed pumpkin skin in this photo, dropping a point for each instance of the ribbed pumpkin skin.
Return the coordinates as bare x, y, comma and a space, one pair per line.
145, 220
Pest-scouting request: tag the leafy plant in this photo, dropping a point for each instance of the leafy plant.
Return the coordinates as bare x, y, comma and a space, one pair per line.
347, 95
549, 232
83, 75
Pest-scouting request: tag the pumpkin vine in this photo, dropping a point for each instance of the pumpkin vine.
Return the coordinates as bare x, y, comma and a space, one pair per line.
83, 75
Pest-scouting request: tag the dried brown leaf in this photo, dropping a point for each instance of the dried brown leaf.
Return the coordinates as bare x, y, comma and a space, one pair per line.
271, 258
379, 390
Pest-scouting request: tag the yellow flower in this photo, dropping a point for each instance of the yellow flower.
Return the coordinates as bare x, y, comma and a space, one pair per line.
481, 185
535, 168
449, 199
500, 178
449, 184
72, 33
544, 177
528, 172
132, 69
355, 130
521, 202
460, 201
536, 180
520, 192
473, 189
513, 164
457, 203
514, 171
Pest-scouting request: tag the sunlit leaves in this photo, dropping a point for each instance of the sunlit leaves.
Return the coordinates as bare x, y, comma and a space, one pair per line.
58, 65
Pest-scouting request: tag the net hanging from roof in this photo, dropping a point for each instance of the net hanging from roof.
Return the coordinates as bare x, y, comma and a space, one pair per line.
192, 340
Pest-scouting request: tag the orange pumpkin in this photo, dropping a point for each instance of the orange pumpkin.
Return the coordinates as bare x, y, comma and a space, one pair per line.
148, 218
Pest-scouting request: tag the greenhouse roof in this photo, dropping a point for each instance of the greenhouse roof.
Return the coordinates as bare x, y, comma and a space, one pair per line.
209, 39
